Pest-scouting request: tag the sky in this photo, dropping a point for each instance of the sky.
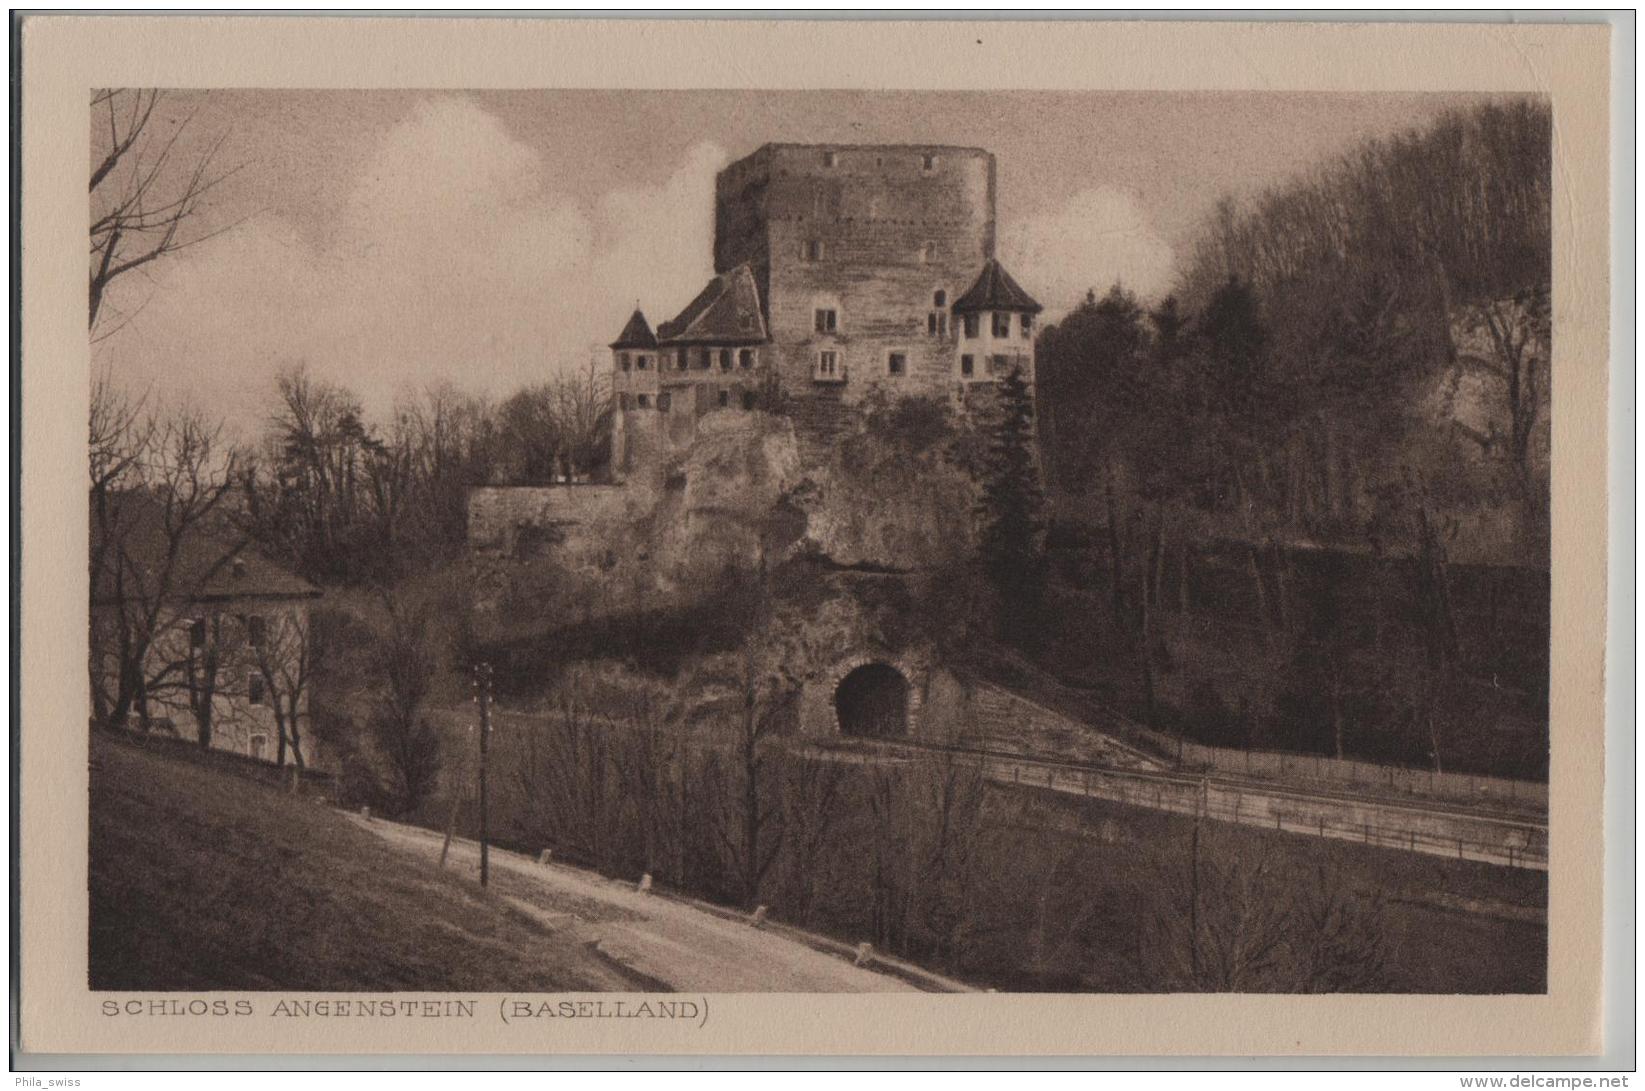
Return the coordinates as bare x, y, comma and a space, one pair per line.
391, 240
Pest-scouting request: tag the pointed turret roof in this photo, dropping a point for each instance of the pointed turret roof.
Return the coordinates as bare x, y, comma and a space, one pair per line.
727, 311
637, 334
996, 291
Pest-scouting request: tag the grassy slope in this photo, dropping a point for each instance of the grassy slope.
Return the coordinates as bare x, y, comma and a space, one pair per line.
204, 880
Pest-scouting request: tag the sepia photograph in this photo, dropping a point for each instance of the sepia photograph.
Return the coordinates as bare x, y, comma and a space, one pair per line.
842, 538
819, 541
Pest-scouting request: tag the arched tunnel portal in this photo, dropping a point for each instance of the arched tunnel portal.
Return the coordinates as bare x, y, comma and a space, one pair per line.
871, 701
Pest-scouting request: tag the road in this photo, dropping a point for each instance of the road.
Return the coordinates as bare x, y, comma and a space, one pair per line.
662, 942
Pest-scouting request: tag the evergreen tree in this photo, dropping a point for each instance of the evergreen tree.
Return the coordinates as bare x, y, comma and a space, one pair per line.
1011, 508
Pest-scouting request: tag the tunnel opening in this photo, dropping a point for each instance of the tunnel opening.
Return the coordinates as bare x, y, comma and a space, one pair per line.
872, 702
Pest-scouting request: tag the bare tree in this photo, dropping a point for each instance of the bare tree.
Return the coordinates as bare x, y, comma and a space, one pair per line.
947, 797
813, 799
651, 767
284, 659
1240, 917
404, 663
751, 832
146, 200
154, 495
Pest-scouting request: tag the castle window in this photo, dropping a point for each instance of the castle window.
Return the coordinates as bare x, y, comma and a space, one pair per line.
928, 162
970, 325
936, 324
643, 401
254, 688
1028, 325
706, 361
622, 360
939, 298
897, 363
745, 358
1002, 324
642, 362
725, 359
812, 250
679, 360
725, 398
829, 159
827, 320
968, 364
748, 399
665, 400
828, 367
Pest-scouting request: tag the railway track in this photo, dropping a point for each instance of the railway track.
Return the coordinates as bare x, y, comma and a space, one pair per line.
1486, 835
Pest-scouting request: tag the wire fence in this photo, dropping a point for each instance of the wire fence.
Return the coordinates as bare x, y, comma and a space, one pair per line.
1485, 838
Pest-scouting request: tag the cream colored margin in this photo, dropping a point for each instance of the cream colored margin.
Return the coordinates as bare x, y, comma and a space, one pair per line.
63, 57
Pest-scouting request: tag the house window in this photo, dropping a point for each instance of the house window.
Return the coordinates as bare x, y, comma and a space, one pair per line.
197, 633
622, 360
970, 325
725, 359
1002, 324
256, 628
745, 358
829, 159
664, 401
643, 401
725, 398
939, 298
642, 362
928, 162
748, 399
968, 364
254, 688
828, 366
827, 320
897, 363
813, 250
1028, 325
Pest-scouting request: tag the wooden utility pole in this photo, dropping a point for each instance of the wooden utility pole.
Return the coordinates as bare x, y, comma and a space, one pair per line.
482, 694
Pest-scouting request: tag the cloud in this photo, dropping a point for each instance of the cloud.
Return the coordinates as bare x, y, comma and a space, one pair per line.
448, 258
1097, 237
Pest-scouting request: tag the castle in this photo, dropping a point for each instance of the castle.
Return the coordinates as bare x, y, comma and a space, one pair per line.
839, 270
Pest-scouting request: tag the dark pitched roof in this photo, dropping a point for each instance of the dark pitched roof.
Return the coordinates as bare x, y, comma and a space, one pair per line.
726, 311
214, 560
996, 291
636, 335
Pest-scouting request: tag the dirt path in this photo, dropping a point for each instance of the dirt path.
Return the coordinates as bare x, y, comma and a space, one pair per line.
659, 941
